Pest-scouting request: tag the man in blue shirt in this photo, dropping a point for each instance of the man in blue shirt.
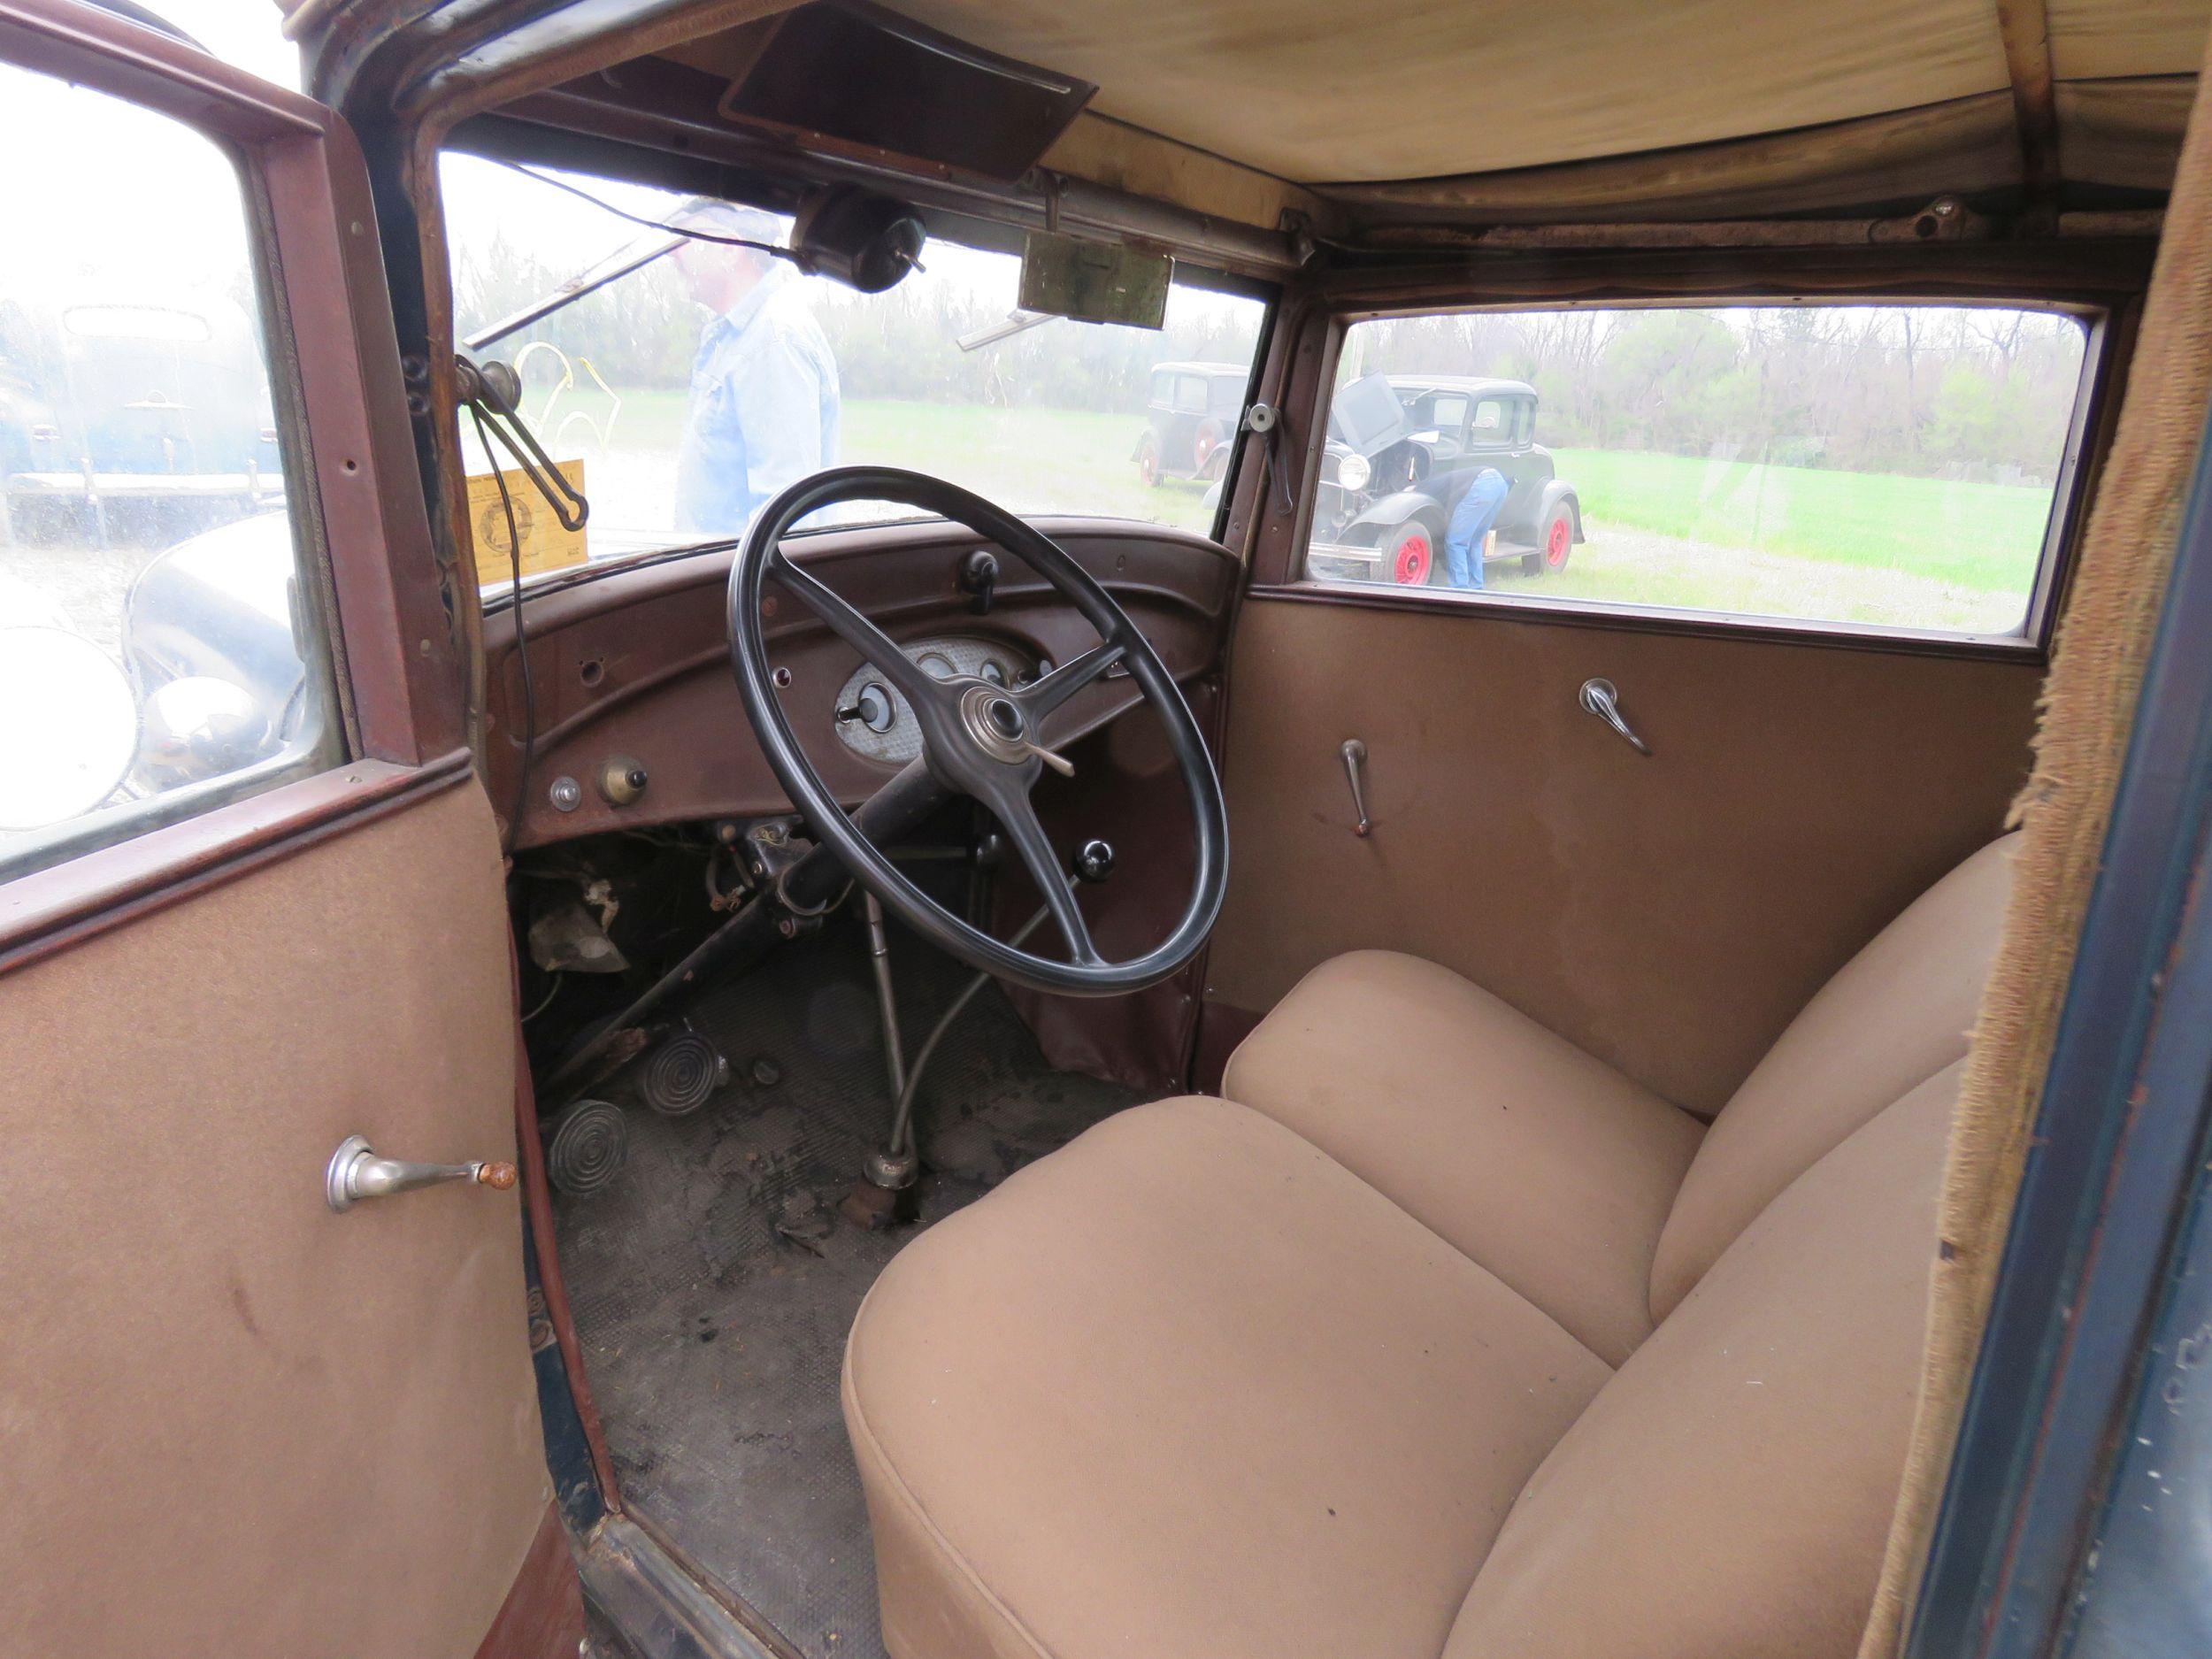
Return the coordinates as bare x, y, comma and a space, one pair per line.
764, 408
1471, 520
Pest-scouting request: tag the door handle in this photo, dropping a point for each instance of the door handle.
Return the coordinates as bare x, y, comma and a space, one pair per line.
1355, 753
356, 1173
1599, 697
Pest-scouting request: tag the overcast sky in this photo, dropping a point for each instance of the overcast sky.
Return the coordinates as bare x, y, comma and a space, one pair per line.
242, 32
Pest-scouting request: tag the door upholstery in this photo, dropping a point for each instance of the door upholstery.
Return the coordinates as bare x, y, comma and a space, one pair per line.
232, 1421
1669, 915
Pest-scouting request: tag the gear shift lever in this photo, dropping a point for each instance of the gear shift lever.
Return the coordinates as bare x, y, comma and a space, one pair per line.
875, 1199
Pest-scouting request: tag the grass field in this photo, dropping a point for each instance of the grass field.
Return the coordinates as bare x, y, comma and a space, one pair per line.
1664, 530
1967, 535
1032, 460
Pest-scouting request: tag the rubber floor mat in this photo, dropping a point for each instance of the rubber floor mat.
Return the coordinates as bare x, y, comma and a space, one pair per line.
714, 1282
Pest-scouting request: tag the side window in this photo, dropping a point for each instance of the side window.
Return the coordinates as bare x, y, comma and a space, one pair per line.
1886, 468
1446, 413
1190, 394
157, 656
1164, 388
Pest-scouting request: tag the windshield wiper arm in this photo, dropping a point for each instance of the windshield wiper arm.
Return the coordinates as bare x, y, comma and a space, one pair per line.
611, 268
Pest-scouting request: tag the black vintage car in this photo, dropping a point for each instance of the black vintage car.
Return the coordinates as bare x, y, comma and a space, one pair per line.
1402, 450
1191, 409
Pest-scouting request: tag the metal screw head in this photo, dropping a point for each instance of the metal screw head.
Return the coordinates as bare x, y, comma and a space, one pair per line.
565, 794
781, 678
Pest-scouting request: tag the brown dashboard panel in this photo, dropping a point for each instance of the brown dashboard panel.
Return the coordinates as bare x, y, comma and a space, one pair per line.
631, 663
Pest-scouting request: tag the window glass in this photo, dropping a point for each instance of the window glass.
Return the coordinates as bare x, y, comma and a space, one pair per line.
1890, 466
155, 654
691, 390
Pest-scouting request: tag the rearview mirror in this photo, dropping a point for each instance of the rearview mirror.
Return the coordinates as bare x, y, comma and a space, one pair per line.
1094, 282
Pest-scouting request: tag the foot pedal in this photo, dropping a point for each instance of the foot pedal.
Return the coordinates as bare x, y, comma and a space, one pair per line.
683, 1075
590, 1144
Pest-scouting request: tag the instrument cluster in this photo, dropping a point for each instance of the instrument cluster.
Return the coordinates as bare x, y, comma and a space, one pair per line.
872, 718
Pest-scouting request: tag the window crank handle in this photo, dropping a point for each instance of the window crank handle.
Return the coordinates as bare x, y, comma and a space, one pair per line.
356, 1173
1599, 697
1355, 753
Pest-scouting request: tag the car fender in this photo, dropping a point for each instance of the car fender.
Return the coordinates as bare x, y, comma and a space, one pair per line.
1557, 492
1392, 510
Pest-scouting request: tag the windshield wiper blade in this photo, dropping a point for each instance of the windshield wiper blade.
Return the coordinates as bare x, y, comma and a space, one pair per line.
610, 268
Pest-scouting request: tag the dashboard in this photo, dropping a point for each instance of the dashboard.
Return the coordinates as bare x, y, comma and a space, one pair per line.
636, 716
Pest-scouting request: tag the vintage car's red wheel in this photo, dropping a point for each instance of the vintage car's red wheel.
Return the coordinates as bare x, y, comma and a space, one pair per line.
1410, 556
1559, 539
1149, 461
1203, 445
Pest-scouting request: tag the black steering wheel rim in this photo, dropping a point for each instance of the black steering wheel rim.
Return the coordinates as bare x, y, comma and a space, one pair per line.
969, 739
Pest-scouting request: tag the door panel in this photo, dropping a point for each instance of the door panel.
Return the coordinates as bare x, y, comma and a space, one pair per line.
1670, 914
235, 1422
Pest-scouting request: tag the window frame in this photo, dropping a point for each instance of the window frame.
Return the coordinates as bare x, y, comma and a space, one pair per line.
369, 580
447, 476
2106, 312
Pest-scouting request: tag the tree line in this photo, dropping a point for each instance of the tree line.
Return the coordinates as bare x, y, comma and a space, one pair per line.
1950, 391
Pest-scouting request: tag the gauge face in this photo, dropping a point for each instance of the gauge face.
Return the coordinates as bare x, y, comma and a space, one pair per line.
881, 727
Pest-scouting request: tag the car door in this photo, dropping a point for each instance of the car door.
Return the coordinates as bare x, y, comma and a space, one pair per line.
239, 925
1804, 742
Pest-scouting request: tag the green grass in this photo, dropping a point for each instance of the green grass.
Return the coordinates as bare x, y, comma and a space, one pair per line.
1981, 537
1031, 460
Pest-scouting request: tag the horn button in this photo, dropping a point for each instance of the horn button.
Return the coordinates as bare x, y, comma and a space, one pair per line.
996, 722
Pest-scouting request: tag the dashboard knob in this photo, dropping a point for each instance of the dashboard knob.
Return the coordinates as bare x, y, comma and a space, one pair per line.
622, 779
1094, 861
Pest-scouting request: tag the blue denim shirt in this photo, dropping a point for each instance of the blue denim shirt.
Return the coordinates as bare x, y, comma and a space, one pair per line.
764, 408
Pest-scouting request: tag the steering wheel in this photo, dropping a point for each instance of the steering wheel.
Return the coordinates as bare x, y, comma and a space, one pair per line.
986, 741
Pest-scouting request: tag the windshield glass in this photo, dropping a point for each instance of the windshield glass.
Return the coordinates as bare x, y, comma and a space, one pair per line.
683, 394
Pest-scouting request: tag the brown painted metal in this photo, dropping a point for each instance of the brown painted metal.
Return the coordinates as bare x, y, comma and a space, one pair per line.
634, 661
542, 1617
537, 1200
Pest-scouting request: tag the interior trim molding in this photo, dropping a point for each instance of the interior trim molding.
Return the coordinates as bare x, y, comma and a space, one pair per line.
49, 910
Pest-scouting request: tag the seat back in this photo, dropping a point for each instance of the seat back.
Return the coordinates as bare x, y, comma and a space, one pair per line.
1727, 1493
1893, 1016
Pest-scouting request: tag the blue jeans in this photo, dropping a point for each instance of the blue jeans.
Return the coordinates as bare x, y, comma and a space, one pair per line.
1471, 520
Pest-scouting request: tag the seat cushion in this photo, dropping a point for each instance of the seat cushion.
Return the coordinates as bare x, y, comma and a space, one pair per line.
1728, 1494
1189, 1385
1893, 1017
1535, 1159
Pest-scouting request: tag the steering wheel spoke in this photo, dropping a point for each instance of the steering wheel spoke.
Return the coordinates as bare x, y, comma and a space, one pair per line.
1011, 806
1041, 699
880, 651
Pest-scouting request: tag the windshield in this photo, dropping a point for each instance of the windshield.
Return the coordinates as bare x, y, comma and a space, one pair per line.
684, 394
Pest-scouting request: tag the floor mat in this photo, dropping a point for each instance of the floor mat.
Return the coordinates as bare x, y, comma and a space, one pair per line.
713, 1284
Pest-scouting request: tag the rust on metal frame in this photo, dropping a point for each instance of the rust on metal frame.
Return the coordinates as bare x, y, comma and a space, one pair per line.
537, 1198
542, 1617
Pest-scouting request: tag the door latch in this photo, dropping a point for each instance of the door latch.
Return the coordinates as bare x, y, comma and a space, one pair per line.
1355, 753
356, 1173
1599, 697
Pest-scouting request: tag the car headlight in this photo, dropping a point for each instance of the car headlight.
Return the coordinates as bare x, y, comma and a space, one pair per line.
1353, 472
